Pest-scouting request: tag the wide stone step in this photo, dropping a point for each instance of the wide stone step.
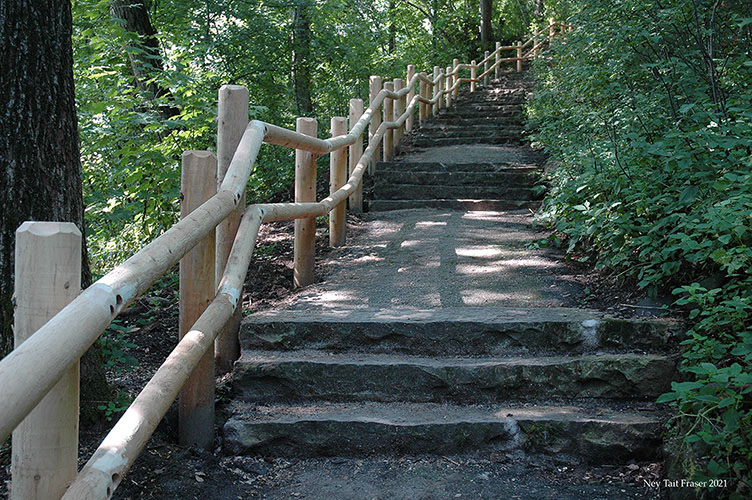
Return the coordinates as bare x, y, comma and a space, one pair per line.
453, 204
456, 178
508, 133
596, 434
451, 126
387, 191
497, 114
472, 120
501, 140
438, 167
454, 331
267, 376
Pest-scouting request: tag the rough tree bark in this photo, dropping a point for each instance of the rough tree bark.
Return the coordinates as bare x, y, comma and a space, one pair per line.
301, 57
40, 168
486, 30
145, 56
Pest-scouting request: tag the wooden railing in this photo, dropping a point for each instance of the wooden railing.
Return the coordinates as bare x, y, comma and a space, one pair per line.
211, 275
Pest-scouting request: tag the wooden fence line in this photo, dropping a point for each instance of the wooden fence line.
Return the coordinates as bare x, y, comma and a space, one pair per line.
62, 340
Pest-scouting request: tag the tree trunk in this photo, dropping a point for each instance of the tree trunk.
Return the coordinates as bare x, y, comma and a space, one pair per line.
486, 31
539, 9
40, 167
146, 59
301, 57
392, 27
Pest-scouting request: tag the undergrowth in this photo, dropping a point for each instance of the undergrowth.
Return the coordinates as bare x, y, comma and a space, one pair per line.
647, 109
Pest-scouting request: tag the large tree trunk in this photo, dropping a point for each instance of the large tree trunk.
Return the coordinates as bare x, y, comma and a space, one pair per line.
392, 27
40, 168
146, 59
486, 31
301, 57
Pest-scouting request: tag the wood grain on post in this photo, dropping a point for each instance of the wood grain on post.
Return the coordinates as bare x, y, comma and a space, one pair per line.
455, 69
409, 123
421, 105
356, 150
375, 86
304, 247
197, 289
47, 278
436, 90
551, 28
388, 141
519, 56
337, 179
447, 86
399, 108
485, 69
473, 73
498, 60
232, 119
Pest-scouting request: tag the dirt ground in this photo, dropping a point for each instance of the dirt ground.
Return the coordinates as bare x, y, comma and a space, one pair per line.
165, 470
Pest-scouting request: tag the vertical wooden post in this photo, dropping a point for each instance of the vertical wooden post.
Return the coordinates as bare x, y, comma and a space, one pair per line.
410, 119
47, 278
232, 120
551, 28
436, 90
485, 68
388, 140
448, 84
519, 56
356, 151
473, 73
197, 290
374, 89
498, 60
535, 45
455, 64
399, 108
304, 246
422, 106
337, 179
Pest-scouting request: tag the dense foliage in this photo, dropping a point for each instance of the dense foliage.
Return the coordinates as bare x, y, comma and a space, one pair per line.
139, 108
647, 108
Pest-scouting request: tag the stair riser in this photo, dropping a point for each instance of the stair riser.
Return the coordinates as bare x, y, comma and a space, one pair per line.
453, 141
301, 380
470, 205
383, 178
471, 168
439, 192
450, 338
593, 442
495, 134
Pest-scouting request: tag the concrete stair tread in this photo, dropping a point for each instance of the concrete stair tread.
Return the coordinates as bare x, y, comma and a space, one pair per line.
405, 413
470, 204
429, 166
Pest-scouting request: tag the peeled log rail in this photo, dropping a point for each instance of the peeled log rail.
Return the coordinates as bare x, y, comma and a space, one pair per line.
62, 340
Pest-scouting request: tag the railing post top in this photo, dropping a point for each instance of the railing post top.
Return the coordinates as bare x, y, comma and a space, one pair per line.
389, 85
198, 153
399, 82
44, 228
375, 78
338, 120
411, 67
233, 88
304, 120
498, 44
356, 103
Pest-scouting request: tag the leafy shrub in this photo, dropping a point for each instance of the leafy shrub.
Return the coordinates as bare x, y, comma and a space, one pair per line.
647, 107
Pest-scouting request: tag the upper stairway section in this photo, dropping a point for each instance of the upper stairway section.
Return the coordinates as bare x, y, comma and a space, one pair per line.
470, 156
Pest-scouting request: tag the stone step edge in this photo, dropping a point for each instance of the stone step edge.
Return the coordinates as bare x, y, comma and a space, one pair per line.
354, 430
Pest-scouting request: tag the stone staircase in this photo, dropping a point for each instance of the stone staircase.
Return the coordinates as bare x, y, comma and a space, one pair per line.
338, 374
490, 118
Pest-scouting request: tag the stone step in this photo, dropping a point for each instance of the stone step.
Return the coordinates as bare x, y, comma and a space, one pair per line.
509, 133
497, 113
455, 331
386, 177
499, 140
387, 191
275, 376
436, 167
472, 120
451, 126
596, 434
466, 204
